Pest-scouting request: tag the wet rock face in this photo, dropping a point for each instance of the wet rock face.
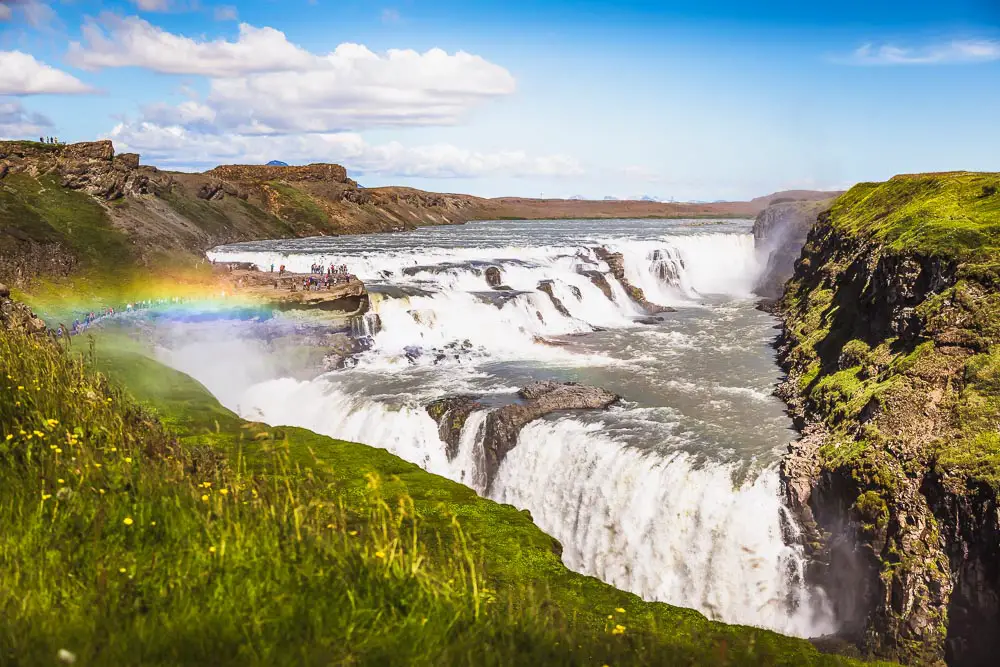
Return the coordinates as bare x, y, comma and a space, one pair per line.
779, 233
600, 282
493, 277
546, 286
616, 262
540, 398
451, 413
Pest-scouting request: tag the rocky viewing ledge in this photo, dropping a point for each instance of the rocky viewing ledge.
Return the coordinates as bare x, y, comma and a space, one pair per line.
892, 346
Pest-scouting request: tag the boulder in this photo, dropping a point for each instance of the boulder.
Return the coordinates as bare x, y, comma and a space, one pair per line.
616, 262
493, 277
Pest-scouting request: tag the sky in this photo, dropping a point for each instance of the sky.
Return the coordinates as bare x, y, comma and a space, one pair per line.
690, 100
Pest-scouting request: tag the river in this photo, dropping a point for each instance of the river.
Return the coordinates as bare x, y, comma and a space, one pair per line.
673, 494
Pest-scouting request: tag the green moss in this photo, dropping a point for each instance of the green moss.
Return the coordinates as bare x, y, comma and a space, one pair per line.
299, 209
954, 215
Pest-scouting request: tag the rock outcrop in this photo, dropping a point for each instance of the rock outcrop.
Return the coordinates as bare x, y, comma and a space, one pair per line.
91, 167
616, 263
16, 315
891, 343
493, 277
451, 413
546, 286
539, 399
503, 424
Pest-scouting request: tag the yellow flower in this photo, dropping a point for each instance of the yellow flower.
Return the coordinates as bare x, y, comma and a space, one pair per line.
224, 491
379, 554
127, 521
20, 388
152, 523
38, 433
611, 617
10, 436
352, 533
61, 481
205, 497
211, 550
58, 451
128, 459
122, 570
101, 491
618, 630
46, 496
207, 485
97, 465
619, 610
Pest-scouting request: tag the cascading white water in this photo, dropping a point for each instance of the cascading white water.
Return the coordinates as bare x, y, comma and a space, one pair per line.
673, 495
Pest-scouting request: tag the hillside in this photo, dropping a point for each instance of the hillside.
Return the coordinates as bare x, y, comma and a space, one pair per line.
60, 202
892, 342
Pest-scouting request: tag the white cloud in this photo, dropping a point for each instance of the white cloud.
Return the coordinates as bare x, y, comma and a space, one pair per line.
16, 122
263, 84
6, 13
957, 51
152, 5
390, 16
226, 13
175, 146
134, 42
21, 74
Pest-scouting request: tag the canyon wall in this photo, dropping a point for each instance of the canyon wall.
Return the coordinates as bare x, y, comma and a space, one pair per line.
891, 333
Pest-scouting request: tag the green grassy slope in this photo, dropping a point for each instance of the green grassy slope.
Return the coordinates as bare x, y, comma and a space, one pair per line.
190, 536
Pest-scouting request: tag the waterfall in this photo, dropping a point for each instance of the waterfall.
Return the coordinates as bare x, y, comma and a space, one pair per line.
649, 497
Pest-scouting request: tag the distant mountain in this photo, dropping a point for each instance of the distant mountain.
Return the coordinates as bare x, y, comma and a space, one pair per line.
577, 198
276, 163
649, 198
610, 198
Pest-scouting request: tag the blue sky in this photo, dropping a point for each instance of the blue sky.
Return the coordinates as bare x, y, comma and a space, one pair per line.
679, 99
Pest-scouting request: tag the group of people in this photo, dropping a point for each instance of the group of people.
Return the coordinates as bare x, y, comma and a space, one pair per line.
82, 324
48, 140
332, 270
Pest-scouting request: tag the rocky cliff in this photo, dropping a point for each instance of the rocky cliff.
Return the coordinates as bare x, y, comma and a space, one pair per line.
892, 345
779, 233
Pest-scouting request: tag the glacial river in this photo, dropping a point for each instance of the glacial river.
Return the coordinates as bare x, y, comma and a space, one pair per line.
673, 494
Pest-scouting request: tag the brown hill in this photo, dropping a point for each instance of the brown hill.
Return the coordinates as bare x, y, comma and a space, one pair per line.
66, 205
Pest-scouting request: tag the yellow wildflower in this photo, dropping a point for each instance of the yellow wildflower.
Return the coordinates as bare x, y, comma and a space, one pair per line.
128, 459
205, 497
97, 465
224, 491
618, 630
352, 533
58, 451
379, 554
619, 610
46, 496
122, 570
10, 436
152, 523
211, 550
61, 481
101, 491
127, 521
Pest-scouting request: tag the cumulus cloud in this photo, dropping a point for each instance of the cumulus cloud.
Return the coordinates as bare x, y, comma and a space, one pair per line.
263, 84
16, 122
957, 51
133, 42
152, 5
21, 74
176, 146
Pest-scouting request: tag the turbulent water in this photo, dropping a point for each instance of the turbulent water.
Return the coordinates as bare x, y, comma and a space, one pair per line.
672, 495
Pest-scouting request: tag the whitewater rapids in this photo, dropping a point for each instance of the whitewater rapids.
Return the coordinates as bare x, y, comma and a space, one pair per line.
673, 495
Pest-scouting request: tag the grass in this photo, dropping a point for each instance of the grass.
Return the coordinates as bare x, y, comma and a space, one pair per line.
189, 536
298, 209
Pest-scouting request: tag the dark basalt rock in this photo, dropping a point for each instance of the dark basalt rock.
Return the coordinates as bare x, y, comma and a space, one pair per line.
616, 262
600, 282
493, 277
546, 286
539, 399
451, 414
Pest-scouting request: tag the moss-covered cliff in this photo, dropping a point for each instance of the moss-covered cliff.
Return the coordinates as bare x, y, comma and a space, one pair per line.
892, 327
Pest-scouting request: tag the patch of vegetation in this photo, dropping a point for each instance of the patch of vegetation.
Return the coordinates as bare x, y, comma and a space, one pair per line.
950, 215
43, 211
190, 536
298, 209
